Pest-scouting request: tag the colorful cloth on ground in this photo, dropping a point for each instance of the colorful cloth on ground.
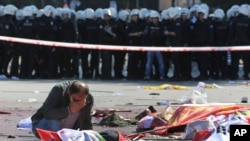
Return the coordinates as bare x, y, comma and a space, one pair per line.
69, 135
113, 135
222, 124
188, 113
150, 121
75, 135
115, 120
48, 135
166, 86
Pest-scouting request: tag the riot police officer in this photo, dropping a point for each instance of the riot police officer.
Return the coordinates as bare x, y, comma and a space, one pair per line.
203, 35
239, 36
154, 35
219, 59
11, 51
136, 59
108, 32
28, 28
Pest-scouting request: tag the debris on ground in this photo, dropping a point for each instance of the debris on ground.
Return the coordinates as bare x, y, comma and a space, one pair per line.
167, 87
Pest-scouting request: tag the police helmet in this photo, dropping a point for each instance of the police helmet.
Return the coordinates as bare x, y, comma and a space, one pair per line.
107, 11
57, 12
9, 10
173, 12
1, 10
143, 13
19, 14
202, 10
194, 8
80, 15
234, 10
244, 9
164, 14
123, 15
89, 13
27, 11
39, 13
48, 10
99, 13
185, 11
114, 14
65, 13
219, 13
134, 12
154, 14
34, 8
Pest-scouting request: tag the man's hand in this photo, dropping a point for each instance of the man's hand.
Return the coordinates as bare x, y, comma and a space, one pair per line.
75, 106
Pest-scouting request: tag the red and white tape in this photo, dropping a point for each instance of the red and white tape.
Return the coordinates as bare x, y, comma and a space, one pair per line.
123, 48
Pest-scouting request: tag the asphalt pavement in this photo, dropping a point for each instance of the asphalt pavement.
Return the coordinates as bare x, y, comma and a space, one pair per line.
21, 98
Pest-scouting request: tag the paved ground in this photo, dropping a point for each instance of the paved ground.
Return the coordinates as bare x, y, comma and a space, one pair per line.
21, 98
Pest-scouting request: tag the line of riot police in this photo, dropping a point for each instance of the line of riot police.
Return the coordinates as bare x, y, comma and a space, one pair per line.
172, 27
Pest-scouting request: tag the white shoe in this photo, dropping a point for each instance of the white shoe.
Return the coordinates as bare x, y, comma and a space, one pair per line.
3, 77
15, 78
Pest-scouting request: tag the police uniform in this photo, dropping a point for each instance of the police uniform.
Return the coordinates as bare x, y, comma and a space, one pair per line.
219, 59
203, 35
45, 63
154, 35
11, 51
70, 58
88, 32
185, 57
28, 28
136, 59
108, 31
239, 36
175, 27
120, 55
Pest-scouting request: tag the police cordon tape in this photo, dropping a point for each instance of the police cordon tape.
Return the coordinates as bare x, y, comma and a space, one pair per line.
122, 48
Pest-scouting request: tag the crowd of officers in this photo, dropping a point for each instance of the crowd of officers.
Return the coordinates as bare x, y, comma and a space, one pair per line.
172, 27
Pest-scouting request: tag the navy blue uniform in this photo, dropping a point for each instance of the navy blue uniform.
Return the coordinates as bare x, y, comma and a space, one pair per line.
136, 59
11, 51
203, 35
28, 28
70, 56
108, 31
219, 59
239, 35
45, 63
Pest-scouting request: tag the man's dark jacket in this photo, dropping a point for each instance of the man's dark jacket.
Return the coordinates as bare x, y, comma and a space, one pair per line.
56, 107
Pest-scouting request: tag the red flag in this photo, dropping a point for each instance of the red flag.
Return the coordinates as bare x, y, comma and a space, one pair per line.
48, 135
202, 135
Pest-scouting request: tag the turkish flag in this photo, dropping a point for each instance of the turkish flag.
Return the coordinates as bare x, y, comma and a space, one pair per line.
46, 135
202, 135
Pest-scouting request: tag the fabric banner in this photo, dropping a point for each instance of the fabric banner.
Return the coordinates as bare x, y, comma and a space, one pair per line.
75, 135
188, 113
48, 135
185, 114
